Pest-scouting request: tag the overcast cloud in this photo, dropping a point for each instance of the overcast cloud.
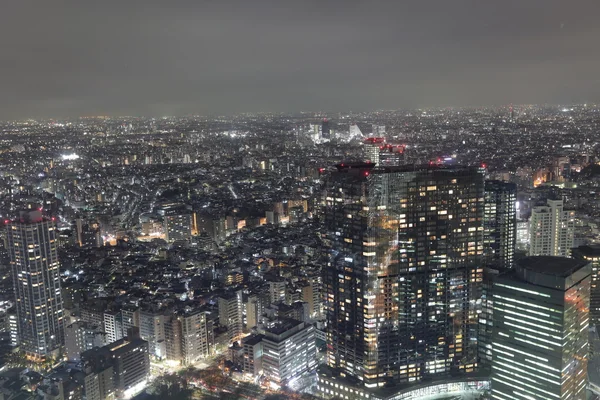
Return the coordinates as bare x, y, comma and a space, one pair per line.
127, 57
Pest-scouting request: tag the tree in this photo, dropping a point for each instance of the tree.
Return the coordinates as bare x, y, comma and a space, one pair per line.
170, 386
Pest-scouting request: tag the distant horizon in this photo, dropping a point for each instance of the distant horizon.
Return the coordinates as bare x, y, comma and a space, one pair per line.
317, 114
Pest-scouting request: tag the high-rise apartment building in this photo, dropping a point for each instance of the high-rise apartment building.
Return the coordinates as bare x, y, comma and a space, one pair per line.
152, 329
500, 223
197, 340
230, 314
113, 326
404, 275
32, 248
551, 230
189, 336
540, 340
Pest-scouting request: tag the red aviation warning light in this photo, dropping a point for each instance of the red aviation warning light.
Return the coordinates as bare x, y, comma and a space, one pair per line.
321, 170
366, 173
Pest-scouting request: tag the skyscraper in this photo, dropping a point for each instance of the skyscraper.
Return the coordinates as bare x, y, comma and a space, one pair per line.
325, 129
500, 223
378, 152
540, 345
372, 147
404, 272
551, 230
591, 254
32, 248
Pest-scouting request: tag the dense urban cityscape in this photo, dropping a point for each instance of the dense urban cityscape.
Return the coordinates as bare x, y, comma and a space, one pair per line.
390, 255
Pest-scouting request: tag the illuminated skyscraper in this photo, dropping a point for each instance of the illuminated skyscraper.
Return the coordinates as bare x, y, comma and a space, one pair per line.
541, 330
32, 248
372, 147
377, 151
551, 230
592, 254
404, 273
500, 223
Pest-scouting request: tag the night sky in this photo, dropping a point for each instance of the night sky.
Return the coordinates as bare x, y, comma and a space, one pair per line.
127, 57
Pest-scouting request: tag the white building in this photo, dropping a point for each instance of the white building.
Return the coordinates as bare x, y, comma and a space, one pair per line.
288, 351
113, 326
551, 230
230, 314
197, 340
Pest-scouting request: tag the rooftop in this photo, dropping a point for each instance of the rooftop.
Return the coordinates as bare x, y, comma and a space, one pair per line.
589, 250
554, 266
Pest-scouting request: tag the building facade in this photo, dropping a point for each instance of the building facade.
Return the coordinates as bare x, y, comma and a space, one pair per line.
541, 330
230, 314
500, 223
405, 271
591, 254
32, 249
288, 351
81, 336
551, 230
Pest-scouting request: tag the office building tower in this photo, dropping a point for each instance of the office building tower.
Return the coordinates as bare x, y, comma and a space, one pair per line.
392, 155
178, 227
591, 254
230, 314
378, 152
551, 230
523, 235
315, 132
541, 332
129, 360
81, 336
372, 148
32, 249
500, 223
88, 234
152, 329
253, 350
325, 129
288, 351
404, 275
98, 384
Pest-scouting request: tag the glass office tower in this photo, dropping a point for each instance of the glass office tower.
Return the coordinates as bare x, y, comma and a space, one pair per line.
405, 272
541, 321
